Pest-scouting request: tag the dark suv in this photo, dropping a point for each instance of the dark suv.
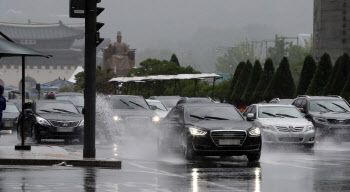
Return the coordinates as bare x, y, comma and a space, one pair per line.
329, 114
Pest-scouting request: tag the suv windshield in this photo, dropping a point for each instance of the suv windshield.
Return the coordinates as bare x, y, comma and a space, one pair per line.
56, 108
329, 106
11, 109
129, 103
278, 112
195, 114
159, 105
77, 100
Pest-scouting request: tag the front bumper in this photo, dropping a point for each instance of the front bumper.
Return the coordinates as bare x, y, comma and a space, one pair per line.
297, 138
205, 146
51, 132
334, 131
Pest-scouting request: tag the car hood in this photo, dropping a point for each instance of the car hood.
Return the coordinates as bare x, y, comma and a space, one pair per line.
134, 113
223, 125
62, 117
284, 122
10, 115
331, 115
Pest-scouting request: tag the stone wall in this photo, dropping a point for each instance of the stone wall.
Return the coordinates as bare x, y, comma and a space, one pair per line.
331, 28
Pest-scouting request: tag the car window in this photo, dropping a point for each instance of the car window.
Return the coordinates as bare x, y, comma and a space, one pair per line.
279, 112
254, 110
176, 112
77, 100
199, 113
297, 103
329, 106
247, 110
303, 104
159, 105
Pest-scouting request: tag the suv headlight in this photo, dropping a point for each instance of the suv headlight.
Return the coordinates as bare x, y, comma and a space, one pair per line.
81, 123
117, 118
156, 119
321, 120
310, 128
197, 132
42, 121
268, 127
255, 131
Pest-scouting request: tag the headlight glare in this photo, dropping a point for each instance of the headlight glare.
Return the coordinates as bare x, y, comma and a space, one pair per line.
156, 119
197, 132
255, 131
42, 121
116, 118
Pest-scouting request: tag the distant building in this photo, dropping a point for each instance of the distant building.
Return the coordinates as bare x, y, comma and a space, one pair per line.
331, 28
54, 39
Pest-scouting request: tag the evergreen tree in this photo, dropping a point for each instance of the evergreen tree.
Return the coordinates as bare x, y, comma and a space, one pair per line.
341, 75
282, 84
323, 72
241, 84
234, 79
328, 88
174, 59
264, 81
253, 82
306, 75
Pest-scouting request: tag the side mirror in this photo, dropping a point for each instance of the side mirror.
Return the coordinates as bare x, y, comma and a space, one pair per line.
250, 117
152, 107
28, 111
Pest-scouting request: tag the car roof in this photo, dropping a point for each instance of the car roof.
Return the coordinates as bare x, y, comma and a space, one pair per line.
273, 105
321, 97
153, 100
134, 96
205, 104
68, 93
165, 97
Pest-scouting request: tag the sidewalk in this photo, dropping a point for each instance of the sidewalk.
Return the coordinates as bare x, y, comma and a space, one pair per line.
50, 155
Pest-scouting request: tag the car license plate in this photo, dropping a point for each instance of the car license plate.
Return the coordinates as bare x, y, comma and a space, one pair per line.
293, 135
8, 124
229, 142
65, 129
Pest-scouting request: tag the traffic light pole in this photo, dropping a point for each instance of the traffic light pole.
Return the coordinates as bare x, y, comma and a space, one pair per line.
90, 79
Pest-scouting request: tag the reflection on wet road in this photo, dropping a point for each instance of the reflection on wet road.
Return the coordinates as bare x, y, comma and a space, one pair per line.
327, 168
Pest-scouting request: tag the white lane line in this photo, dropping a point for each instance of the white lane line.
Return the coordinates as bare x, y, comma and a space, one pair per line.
181, 176
288, 164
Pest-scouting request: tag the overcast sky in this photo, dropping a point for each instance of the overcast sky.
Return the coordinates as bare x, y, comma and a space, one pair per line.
163, 23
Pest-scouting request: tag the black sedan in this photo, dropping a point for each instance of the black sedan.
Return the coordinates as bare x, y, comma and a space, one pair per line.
51, 119
76, 98
10, 117
209, 129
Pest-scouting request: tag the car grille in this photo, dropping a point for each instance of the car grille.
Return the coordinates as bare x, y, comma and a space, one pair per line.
290, 139
287, 129
339, 121
138, 122
217, 135
65, 123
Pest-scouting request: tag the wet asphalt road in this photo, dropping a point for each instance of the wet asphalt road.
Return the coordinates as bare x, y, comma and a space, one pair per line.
326, 168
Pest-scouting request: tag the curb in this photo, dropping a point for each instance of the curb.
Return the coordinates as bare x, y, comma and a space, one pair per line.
50, 162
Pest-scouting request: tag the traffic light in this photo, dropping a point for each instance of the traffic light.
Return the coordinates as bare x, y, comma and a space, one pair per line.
98, 24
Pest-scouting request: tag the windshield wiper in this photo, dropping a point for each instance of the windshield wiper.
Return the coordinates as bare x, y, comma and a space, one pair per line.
126, 103
341, 107
218, 118
137, 104
324, 107
197, 117
285, 115
269, 114
62, 110
47, 111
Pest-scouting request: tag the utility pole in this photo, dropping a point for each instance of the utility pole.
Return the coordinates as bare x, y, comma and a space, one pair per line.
88, 9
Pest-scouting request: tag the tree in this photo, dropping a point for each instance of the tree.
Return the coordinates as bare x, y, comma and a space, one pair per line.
341, 75
228, 62
241, 84
253, 82
282, 84
235, 79
319, 81
307, 73
264, 81
280, 49
174, 59
328, 88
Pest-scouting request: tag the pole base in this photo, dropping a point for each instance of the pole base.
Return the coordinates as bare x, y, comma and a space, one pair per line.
23, 147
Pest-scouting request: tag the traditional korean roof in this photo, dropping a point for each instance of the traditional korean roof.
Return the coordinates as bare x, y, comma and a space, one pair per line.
37, 31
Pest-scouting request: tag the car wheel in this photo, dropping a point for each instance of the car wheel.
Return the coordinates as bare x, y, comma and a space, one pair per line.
253, 157
189, 152
35, 136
